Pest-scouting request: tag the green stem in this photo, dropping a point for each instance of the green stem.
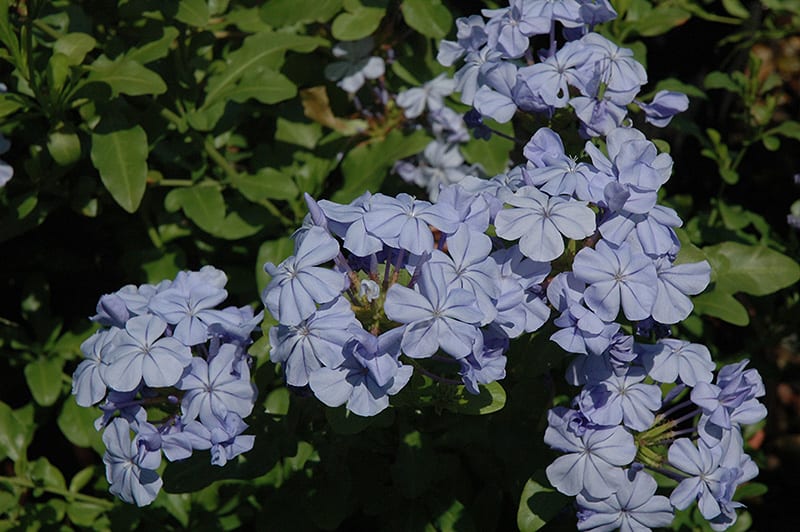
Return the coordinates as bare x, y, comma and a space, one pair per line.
55, 34
175, 182
25, 483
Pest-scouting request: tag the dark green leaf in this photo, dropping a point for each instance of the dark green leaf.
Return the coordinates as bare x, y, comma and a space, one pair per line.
44, 379
429, 17
193, 12
538, 504
121, 158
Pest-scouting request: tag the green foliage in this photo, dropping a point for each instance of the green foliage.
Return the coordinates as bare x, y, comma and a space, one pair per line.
148, 137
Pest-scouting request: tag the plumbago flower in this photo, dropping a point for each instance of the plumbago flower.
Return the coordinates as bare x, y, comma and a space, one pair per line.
387, 286
167, 348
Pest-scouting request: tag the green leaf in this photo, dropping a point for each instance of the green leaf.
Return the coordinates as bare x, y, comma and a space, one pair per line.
538, 503
267, 87
126, 76
771, 143
660, 21
754, 270
491, 399
277, 402
9, 103
729, 175
359, 21
74, 46
262, 50
267, 184
16, 431
193, 12
81, 479
121, 158
280, 13
491, 155
789, 128
8, 36
64, 147
673, 84
736, 8
77, 425
84, 513
44, 379
302, 134
721, 305
43, 473
429, 17
204, 205
154, 49
365, 166
721, 80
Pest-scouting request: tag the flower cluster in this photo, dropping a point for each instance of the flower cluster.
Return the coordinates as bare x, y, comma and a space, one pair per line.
589, 73
167, 348
580, 236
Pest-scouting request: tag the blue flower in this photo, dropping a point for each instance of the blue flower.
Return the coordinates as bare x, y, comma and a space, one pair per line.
403, 222
370, 373
617, 277
140, 353
622, 399
314, 342
298, 284
130, 466
437, 316
214, 388
88, 385
592, 462
222, 436
671, 358
634, 507
539, 221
